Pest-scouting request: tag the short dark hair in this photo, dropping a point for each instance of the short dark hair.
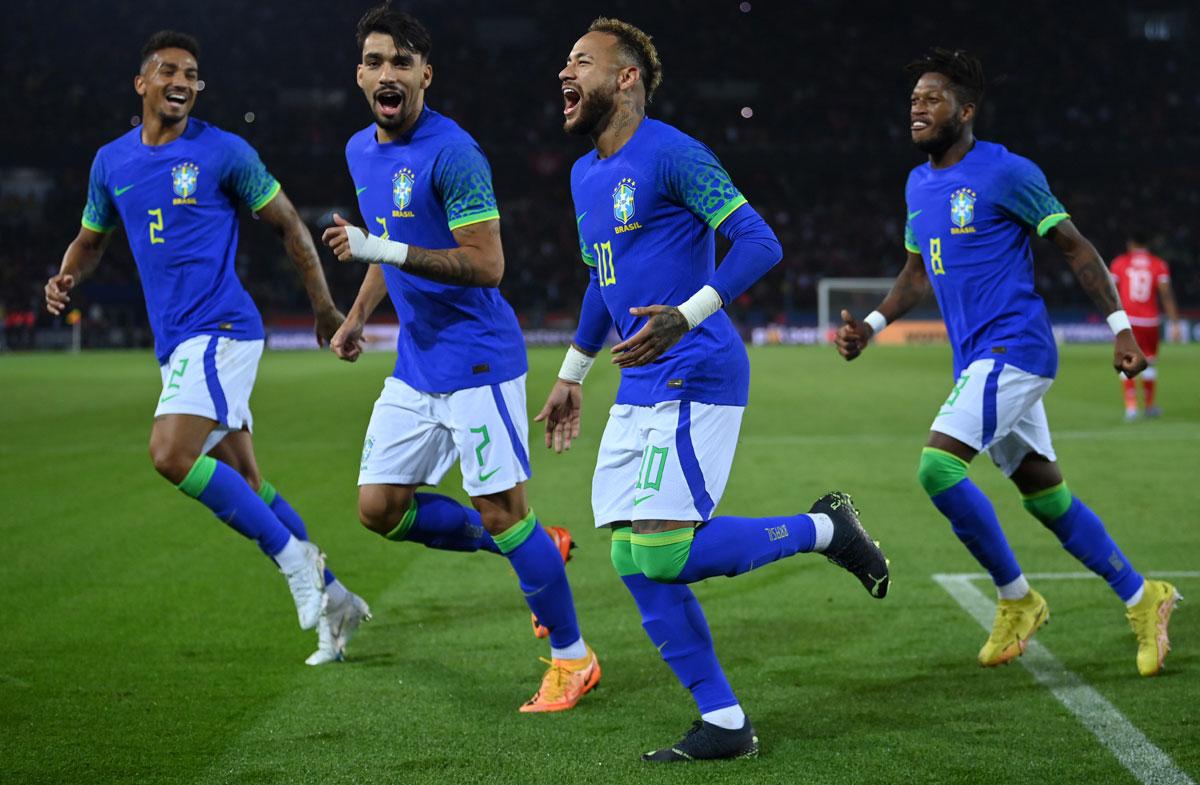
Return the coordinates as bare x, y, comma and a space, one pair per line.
170, 39
405, 30
964, 71
1139, 237
635, 45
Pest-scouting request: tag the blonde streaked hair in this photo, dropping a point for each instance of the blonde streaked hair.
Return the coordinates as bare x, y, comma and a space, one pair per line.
636, 46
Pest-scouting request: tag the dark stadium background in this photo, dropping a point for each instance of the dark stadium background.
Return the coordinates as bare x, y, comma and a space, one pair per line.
1103, 95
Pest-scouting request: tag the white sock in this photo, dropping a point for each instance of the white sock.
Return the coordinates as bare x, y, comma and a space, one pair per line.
729, 718
292, 557
824, 526
1014, 589
573, 652
337, 593
1137, 596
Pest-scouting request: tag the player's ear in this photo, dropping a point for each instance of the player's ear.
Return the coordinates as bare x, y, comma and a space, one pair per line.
628, 77
139, 85
358, 74
426, 76
967, 113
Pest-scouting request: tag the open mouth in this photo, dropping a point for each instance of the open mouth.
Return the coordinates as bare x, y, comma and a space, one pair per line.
177, 97
389, 102
919, 125
571, 100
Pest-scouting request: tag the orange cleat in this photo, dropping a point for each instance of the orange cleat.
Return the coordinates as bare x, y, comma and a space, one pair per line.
565, 682
562, 538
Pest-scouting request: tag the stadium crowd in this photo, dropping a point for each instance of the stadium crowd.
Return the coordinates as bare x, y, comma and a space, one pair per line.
806, 105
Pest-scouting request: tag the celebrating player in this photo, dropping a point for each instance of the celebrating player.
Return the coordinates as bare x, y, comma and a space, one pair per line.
458, 389
970, 209
1139, 274
175, 183
648, 199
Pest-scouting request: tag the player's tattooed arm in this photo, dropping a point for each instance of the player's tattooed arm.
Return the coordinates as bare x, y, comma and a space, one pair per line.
281, 216
665, 326
81, 258
477, 261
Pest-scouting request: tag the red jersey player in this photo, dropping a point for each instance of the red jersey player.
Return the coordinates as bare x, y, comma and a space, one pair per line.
1139, 275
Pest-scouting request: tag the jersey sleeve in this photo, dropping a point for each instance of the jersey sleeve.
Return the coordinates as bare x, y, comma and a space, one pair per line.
1026, 197
1162, 273
246, 177
691, 176
910, 237
99, 214
464, 179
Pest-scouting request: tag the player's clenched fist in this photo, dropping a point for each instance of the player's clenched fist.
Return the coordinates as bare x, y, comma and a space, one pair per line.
57, 292
347, 342
852, 336
1127, 356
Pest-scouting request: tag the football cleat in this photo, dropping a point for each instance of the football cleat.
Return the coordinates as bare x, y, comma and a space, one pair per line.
562, 539
1149, 619
1015, 623
307, 585
565, 682
1131, 415
336, 627
1153, 411
851, 548
706, 741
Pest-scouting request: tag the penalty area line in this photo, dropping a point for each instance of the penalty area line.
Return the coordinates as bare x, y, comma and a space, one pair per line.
1146, 762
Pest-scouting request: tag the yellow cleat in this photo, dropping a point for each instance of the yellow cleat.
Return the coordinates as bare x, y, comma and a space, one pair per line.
565, 682
1016, 622
1149, 620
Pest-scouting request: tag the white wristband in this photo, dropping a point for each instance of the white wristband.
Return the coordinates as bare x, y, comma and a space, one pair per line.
1118, 321
575, 366
700, 306
877, 321
375, 250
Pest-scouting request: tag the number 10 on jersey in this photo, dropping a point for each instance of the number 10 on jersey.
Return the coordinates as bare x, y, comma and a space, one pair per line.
606, 271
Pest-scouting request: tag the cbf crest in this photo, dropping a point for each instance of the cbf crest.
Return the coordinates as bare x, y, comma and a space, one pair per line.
962, 208
402, 189
623, 205
184, 179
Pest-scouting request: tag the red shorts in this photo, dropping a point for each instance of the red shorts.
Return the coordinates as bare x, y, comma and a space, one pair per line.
1147, 340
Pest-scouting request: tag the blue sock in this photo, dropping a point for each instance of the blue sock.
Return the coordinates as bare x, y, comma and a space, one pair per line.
439, 522
731, 546
222, 490
974, 521
543, 578
672, 617
288, 516
1083, 535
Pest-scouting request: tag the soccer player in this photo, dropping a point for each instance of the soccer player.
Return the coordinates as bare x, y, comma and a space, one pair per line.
175, 183
1139, 274
648, 201
970, 209
458, 389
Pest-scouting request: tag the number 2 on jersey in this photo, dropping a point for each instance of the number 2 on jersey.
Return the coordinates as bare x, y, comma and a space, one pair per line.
606, 271
156, 226
935, 256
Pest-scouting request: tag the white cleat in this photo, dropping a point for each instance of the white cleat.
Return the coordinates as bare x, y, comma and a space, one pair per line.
307, 585
336, 627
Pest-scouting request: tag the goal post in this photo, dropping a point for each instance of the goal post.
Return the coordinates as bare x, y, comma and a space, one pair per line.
923, 324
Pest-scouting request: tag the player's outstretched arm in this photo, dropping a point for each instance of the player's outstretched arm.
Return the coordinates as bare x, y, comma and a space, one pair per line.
81, 258
1168, 300
477, 261
347, 342
908, 290
1095, 279
281, 216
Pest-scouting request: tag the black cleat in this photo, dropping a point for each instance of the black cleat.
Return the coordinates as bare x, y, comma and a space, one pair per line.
706, 741
852, 548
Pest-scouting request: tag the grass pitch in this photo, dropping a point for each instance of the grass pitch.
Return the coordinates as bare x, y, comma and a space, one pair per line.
146, 642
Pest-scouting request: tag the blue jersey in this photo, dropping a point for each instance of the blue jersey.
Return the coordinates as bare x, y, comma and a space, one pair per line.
970, 223
178, 202
417, 190
646, 217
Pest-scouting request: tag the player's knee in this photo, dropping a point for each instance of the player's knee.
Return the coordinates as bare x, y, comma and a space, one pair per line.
939, 470
621, 552
380, 509
1049, 505
171, 462
497, 520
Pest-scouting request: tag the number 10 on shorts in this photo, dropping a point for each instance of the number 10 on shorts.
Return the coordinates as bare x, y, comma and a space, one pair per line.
654, 463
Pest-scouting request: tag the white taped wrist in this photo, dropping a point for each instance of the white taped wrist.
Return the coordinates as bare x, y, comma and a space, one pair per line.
1118, 321
877, 321
375, 250
700, 306
575, 366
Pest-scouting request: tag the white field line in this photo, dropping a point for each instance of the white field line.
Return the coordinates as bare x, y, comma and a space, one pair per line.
1146, 762
1065, 576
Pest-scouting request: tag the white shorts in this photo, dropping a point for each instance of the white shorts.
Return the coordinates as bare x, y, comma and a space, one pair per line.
666, 462
210, 376
415, 437
998, 408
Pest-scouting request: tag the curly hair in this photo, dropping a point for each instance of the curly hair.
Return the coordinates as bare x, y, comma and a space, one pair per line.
635, 46
964, 71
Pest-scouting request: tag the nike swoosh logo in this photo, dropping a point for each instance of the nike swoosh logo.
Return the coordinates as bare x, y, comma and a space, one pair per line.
119, 191
485, 477
913, 215
637, 501
166, 398
661, 645
358, 191
579, 218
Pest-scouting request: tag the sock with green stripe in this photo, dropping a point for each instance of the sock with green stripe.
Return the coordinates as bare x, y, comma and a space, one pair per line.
971, 514
1083, 535
440, 522
543, 578
222, 490
288, 516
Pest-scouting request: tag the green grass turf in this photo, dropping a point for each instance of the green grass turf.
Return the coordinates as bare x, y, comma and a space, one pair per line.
145, 642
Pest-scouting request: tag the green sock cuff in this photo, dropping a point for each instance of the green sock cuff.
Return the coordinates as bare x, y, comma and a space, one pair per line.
401, 531
267, 493
622, 552
513, 537
939, 470
661, 556
1050, 504
198, 476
